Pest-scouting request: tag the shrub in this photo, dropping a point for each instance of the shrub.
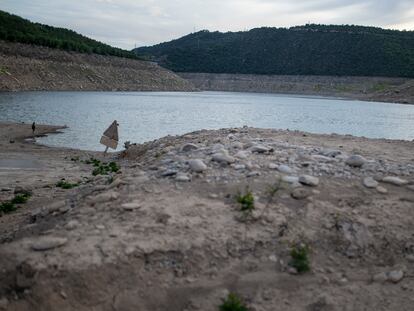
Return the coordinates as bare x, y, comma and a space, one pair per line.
66, 185
20, 198
7, 207
300, 258
246, 201
233, 303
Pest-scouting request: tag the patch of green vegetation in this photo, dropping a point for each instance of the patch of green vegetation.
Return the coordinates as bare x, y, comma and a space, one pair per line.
380, 87
233, 303
300, 258
20, 198
66, 185
10, 206
16, 29
246, 201
7, 207
104, 168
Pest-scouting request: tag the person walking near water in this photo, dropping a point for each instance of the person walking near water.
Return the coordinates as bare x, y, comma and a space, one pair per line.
33, 128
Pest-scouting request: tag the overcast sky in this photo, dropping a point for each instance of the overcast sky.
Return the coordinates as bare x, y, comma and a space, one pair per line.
126, 23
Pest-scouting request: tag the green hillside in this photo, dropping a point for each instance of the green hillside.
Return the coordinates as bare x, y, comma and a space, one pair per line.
303, 50
16, 29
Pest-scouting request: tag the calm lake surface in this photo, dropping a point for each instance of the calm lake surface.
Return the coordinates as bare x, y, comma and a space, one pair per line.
145, 116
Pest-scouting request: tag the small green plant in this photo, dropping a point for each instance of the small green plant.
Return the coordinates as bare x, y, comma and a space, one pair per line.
66, 185
10, 206
233, 303
300, 258
104, 168
7, 207
20, 198
246, 201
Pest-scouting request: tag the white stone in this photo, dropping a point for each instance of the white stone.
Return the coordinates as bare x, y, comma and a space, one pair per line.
242, 154
355, 160
395, 181
223, 158
273, 166
309, 180
48, 242
182, 178
259, 149
197, 165
131, 206
370, 182
395, 276
285, 169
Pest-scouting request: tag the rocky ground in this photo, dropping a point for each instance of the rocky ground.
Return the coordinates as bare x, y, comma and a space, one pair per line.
25, 67
381, 89
166, 232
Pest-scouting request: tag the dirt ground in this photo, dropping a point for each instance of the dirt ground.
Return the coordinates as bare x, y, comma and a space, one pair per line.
166, 232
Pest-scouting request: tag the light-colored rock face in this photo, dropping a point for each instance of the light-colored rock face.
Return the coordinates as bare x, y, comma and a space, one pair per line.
48, 242
223, 158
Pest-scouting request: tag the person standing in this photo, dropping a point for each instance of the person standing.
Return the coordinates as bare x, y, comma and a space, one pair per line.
33, 128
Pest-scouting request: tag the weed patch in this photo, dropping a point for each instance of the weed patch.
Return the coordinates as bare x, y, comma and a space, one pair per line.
300, 258
66, 185
233, 303
246, 201
10, 206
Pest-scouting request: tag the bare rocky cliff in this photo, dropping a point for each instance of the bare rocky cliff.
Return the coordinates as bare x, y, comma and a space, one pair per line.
28, 68
398, 90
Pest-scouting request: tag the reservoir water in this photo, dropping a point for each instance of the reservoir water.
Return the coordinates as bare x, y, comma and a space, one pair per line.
145, 116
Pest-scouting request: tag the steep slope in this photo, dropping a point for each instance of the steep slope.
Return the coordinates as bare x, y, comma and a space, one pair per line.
305, 50
26, 67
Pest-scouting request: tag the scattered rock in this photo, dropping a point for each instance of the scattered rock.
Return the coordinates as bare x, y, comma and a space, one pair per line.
370, 182
189, 147
48, 242
223, 158
395, 181
260, 149
242, 154
309, 180
355, 160
253, 174
284, 169
197, 165
104, 197
395, 276
238, 167
6, 189
181, 177
380, 277
273, 166
382, 190
71, 225
300, 193
131, 206
4, 302
169, 173
290, 179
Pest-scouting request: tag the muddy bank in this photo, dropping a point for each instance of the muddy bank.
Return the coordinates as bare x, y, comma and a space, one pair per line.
167, 231
31, 68
395, 90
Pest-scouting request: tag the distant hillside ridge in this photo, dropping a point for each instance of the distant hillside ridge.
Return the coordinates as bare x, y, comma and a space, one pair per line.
326, 50
16, 29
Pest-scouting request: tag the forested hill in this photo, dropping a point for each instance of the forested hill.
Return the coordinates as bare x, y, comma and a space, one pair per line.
302, 50
16, 29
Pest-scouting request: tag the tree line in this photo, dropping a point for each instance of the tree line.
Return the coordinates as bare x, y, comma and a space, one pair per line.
343, 50
16, 29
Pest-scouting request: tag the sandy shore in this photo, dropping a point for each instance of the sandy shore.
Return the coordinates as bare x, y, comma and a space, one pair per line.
166, 232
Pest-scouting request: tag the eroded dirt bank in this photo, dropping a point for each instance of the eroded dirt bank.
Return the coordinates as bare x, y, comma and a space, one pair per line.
166, 232
395, 90
31, 68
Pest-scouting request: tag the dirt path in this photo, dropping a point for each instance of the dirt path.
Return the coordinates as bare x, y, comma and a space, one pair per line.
166, 231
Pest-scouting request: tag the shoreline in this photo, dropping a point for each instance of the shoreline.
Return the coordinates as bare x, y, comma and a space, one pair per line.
127, 232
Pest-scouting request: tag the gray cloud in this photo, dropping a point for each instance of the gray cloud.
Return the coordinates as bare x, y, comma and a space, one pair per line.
125, 23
